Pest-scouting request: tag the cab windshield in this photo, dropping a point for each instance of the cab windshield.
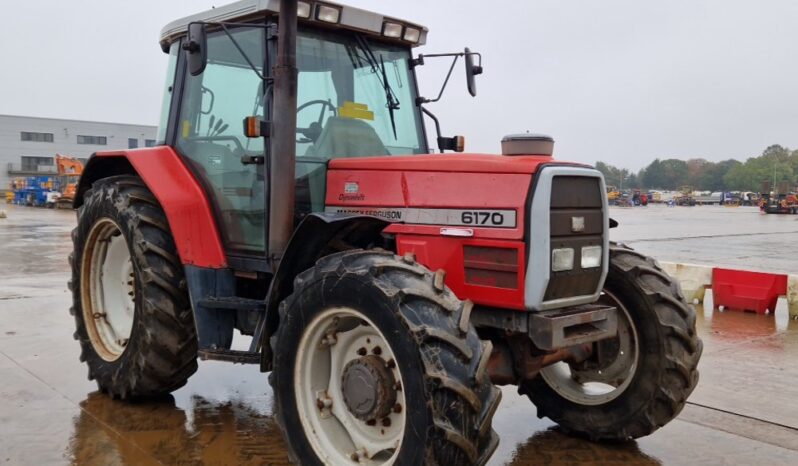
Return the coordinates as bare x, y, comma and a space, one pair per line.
355, 98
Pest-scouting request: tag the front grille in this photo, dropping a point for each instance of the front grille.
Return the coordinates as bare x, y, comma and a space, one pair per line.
567, 210
576, 220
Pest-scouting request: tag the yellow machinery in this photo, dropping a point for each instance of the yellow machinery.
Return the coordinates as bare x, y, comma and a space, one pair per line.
613, 194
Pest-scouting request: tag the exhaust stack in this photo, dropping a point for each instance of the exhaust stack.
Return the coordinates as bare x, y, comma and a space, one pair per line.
282, 149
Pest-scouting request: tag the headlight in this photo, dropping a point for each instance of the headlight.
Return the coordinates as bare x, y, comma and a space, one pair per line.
562, 259
591, 257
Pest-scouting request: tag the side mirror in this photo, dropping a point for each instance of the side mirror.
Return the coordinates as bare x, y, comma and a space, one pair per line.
471, 71
196, 48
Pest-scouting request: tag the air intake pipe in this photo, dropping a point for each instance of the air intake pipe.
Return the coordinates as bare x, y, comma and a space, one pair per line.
527, 144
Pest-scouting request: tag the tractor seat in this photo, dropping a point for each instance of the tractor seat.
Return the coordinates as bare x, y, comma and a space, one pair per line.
347, 137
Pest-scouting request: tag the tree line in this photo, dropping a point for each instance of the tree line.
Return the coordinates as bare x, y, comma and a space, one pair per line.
728, 175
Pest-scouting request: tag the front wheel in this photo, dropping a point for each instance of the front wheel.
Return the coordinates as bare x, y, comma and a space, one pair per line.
638, 381
375, 362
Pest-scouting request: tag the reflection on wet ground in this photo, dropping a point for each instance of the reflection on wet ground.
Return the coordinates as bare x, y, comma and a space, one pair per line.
205, 432
743, 411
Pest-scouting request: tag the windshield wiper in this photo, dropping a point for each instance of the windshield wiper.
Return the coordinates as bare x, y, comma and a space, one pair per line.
390, 97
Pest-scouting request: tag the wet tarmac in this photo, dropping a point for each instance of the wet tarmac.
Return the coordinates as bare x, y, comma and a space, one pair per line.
735, 237
744, 411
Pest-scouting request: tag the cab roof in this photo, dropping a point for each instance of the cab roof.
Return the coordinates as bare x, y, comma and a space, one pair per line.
245, 10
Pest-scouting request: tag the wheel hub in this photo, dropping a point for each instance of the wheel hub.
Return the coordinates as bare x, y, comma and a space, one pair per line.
608, 373
108, 290
368, 388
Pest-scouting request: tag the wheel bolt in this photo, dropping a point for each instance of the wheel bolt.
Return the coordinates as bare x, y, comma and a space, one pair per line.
397, 408
397, 386
377, 350
391, 364
357, 455
324, 402
386, 422
329, 339
371, 422
362, 351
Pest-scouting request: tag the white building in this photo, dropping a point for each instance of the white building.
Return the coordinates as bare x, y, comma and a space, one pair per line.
28, 144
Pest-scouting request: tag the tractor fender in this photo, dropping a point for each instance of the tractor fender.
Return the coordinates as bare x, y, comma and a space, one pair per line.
318, 235
184, 200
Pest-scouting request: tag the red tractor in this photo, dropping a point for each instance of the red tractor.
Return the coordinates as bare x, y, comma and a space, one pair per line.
293, 197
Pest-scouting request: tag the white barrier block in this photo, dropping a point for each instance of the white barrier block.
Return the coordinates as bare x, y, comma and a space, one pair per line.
792, 295
694, 279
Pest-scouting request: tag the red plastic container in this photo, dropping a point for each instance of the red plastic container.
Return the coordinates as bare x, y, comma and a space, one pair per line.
747, 291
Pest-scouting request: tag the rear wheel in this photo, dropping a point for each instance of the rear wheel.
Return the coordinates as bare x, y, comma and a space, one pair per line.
640, 380
132, 313
375, 362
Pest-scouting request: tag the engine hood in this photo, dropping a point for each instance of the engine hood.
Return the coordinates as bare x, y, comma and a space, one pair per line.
462, 163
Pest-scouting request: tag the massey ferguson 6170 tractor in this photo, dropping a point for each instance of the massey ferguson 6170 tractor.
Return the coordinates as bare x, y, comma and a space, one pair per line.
388, 290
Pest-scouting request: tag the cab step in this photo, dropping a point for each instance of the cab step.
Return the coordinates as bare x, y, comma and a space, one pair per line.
234, 356
234, 303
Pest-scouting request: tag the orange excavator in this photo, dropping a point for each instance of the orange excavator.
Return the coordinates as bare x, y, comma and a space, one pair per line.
69, 171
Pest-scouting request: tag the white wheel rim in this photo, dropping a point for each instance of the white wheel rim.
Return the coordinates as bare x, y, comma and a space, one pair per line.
332, 340
107, 289
602, 386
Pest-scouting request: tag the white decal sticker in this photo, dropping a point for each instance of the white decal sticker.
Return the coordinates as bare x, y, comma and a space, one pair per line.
457, 217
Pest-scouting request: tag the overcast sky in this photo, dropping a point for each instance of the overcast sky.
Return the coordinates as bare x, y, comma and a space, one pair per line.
623, 81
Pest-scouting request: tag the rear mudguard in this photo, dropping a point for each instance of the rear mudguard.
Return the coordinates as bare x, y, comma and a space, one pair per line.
182, 197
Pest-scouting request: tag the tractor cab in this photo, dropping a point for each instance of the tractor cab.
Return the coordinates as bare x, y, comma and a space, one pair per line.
356, 97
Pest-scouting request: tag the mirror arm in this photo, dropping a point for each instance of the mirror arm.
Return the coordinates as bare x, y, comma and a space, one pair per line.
445, 82
444, 143
241, 51
193, 47
434, 118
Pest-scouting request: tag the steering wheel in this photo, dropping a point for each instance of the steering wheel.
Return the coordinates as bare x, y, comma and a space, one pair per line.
312, 132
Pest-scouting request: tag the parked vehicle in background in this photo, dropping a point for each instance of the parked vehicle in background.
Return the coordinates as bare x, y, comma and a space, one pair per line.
613, 194
685, 197
33, 191
69, 171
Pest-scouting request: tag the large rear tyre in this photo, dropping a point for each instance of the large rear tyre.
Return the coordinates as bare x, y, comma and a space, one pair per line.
375, 362
132, 313
639, 381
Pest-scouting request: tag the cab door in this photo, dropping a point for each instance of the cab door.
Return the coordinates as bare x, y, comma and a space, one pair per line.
210, 135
